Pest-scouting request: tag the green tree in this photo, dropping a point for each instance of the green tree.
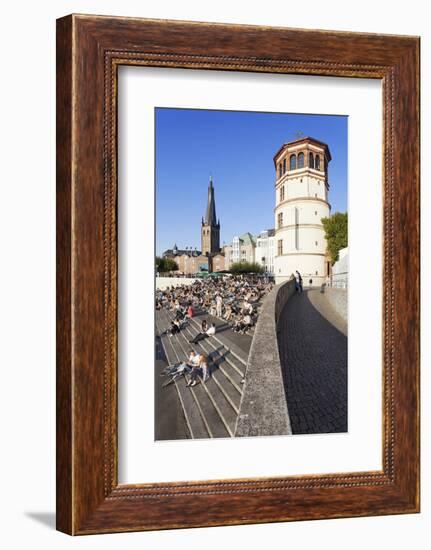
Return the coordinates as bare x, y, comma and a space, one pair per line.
336, 233
165, 265
246, 267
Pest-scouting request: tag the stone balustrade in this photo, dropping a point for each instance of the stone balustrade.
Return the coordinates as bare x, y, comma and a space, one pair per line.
263, 408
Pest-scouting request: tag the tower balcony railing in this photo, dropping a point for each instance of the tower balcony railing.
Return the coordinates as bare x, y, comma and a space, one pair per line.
299, 171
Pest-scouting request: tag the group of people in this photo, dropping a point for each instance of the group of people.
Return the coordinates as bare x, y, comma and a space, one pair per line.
235, 299
196, 366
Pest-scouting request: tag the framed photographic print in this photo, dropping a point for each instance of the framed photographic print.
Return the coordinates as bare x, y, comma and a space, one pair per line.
237, 274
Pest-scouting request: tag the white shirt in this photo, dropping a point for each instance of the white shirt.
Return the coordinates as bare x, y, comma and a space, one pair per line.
194, 359
211, 331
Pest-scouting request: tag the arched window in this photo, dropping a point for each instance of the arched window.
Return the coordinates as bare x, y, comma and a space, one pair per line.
317, 162
311, 160
284, 166
292, 162
301, 160
280, 170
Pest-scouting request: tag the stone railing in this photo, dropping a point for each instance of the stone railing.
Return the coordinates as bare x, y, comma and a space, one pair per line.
164, 282
337, 297
339, 280
263, 408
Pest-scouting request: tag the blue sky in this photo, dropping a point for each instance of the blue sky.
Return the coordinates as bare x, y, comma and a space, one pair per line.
237, 148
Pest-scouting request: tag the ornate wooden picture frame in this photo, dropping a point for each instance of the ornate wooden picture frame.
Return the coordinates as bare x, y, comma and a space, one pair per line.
89, 51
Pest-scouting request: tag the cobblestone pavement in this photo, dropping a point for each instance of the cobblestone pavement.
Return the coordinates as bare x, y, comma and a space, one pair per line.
313, 350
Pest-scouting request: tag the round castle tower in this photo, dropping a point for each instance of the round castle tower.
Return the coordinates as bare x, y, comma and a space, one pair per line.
301, 190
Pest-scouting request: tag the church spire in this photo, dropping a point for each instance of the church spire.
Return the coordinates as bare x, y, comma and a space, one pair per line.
211, 218
210, 230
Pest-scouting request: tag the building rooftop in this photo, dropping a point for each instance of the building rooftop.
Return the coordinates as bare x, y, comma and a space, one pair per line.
248, 238
179, 252
306, 139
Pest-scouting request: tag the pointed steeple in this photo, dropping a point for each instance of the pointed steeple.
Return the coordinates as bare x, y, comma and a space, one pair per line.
210, 218
210, 230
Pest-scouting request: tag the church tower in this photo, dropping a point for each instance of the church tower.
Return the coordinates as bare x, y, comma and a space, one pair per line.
210, 230
301, 189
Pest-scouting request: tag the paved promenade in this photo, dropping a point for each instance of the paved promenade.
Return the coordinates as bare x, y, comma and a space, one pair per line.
313, 352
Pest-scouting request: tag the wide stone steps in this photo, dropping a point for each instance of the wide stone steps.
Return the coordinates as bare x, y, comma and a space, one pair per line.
210, 409
228, 364
194, 420
238, 356
220, 374
208, 406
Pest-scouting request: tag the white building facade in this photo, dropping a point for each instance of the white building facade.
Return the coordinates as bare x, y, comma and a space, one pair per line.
301, 189
265, 250
242, 249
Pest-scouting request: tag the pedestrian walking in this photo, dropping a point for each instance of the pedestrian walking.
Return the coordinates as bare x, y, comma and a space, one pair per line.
299, 281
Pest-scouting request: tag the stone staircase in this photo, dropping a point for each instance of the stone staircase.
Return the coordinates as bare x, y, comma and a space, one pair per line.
210, 409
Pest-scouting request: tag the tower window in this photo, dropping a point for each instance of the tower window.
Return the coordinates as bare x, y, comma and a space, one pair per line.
292, 162
317, 162
282, 193
280, 170
284, 166
280, 219
280, 247
315, 212
301, 160
311, 160
316, 243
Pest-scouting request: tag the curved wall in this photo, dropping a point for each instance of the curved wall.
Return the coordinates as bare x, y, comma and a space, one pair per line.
263, 408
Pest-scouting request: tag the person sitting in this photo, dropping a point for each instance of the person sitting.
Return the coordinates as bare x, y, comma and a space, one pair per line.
228, 313
179, 315
200, 335
203, 364
192, 361
247, 322
212, 330
243, 324
204, 334
175, 327
200, 369
190, 311
247, 307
